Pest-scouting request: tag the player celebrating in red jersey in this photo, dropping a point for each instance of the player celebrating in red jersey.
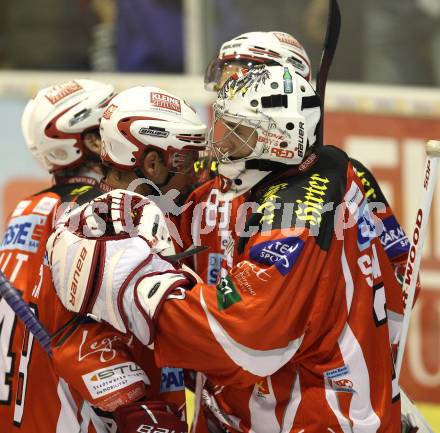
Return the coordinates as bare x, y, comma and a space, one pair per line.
61, 128
294, 336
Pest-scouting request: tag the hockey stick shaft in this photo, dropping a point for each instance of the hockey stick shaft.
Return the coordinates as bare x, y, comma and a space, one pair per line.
24, 312
417, 242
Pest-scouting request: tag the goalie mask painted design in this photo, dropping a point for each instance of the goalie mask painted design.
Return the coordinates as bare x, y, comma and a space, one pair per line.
267, 113
53, 123
255, 48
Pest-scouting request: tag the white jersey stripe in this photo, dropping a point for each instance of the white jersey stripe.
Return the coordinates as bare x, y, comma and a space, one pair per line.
259, 362
364, 419
333, 402
348, 280
292, 406
68, 420
262, 409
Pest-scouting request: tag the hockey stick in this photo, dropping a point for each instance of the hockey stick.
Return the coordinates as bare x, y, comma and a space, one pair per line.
328, 52
24, 312
417, 241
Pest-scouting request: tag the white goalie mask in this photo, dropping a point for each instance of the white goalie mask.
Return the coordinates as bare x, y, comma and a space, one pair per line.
265, 113
53, 123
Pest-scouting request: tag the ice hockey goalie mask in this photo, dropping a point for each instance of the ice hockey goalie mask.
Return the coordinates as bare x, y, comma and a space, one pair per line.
267, 112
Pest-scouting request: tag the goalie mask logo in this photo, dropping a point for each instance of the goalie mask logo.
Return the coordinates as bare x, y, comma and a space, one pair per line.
244, 80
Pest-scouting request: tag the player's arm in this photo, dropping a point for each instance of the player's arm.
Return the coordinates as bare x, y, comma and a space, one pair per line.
96, 361
226, 331
393, 238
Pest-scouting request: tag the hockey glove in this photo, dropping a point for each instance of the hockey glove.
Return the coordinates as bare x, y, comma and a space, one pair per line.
109, 263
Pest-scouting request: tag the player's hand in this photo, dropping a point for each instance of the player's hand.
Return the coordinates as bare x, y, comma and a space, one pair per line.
154, 416
109, 263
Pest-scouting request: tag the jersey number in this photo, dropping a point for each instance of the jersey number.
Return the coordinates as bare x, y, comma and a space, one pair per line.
8, 323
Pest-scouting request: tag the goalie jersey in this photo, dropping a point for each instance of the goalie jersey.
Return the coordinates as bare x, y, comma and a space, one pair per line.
293, 329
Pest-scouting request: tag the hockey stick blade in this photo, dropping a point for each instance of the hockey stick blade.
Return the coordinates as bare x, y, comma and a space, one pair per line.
24, 312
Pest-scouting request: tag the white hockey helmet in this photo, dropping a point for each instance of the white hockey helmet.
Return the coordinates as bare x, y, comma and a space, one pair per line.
270, 112
250, 49
54, 121
143, 118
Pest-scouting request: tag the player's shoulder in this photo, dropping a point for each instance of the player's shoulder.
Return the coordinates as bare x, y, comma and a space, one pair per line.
370, 184
320, 179
307, 197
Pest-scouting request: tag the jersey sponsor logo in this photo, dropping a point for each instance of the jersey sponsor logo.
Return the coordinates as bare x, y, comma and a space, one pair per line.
367, 230
311, 208
214, 266
263, 387
56, 93
167, 102
45, 205
20, 208
24, 233
111, 379
172, 379
342, 385
359, 209
154, 132
227, 293
103, 347
245, 274
337, 372
393, 238
268, 204
282, 253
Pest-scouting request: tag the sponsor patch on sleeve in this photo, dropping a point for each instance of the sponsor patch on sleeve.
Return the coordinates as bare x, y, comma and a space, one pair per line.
283, 253
393, 238
172, 380
113, 378
214, 266
227, 293
338, 380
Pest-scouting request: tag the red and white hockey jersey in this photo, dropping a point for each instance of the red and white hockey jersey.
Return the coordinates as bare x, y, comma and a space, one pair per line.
294, 331
96, 363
